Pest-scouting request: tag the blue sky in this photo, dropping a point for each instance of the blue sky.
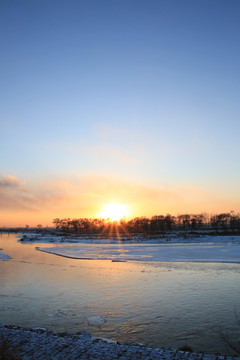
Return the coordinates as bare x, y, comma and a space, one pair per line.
144, 91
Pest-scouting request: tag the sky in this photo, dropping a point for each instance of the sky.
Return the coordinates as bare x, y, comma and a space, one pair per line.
118, 101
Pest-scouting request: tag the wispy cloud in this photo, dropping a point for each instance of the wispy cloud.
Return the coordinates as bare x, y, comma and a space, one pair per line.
9, 180
16, 195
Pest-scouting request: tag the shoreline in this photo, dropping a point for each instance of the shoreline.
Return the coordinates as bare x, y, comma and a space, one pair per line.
39, 343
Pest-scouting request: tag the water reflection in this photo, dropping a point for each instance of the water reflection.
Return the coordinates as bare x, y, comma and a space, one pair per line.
162, 304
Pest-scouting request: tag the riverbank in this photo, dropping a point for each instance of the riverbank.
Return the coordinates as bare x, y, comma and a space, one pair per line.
160, 304
37, 343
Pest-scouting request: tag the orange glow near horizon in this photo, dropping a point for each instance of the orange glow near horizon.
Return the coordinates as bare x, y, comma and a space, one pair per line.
114, 211
94, 196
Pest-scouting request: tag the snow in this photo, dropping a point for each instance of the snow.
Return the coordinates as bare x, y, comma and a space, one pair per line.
43, 238
40, 344
178, 252
109, 341
4, 256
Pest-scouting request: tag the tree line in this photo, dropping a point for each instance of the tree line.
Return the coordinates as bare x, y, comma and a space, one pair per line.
156, 224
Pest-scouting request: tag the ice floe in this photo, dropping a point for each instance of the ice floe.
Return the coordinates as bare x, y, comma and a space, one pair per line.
4, 256
201, 252
95, 320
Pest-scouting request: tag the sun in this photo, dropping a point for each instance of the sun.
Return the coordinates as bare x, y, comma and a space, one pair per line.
115, 211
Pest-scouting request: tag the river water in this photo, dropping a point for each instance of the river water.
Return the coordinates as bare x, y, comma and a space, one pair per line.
156, 303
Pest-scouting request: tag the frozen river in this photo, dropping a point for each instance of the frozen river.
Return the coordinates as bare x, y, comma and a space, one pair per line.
159, 303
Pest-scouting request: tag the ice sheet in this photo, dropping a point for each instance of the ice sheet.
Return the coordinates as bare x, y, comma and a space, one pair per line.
151, 252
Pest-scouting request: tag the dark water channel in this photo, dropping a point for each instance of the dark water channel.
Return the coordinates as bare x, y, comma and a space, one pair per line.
162, 304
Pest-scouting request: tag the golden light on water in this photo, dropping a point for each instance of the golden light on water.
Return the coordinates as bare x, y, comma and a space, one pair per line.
115, 211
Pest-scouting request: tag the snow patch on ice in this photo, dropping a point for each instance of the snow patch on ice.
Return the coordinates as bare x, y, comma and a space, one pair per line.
109, 341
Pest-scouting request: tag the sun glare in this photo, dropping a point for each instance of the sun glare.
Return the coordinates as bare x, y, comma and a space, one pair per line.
114, 212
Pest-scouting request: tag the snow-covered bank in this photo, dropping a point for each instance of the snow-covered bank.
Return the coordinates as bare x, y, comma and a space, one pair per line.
151, 252
4, 256
42, 344
173, 238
